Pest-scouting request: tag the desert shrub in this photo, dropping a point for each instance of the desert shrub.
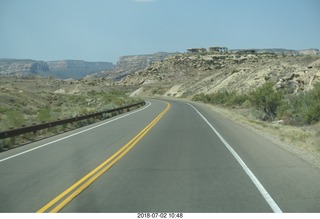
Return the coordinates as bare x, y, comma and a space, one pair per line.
44, 115
266, 100
247, 104
201, 97
14, 119
237, 99
301, 109
222, 98
268, 104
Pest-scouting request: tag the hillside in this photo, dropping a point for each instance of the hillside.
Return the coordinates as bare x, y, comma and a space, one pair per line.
199, 74
235, 84
187, 74
62, 69
28, 99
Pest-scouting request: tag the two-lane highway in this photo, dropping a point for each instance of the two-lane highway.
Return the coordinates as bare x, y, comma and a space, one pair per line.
168, 156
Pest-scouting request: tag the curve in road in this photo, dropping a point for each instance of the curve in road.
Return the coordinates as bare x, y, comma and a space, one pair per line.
182, 159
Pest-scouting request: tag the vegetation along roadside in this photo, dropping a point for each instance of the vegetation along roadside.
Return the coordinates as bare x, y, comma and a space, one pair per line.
282, 116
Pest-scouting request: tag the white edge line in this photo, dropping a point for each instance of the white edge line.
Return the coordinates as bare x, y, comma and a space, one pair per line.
77, 133
254, 179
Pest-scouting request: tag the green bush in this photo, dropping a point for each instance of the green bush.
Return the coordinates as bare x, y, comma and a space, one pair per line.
247, 104
266, 100
44, 115
14, 119
201, 97
268, 104
222, 98
301, 109
237, 99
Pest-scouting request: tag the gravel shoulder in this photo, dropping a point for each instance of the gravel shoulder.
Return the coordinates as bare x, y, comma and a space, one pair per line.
301, 141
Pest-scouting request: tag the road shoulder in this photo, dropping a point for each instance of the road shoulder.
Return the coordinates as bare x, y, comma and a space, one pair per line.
273, 132
300, 141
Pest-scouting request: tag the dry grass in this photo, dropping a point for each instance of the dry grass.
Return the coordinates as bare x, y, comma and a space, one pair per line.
28, 101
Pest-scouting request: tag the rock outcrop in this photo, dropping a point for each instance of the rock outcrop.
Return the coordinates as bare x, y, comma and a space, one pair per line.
310, 52
243, 71
22, 67
129, 64
75, 69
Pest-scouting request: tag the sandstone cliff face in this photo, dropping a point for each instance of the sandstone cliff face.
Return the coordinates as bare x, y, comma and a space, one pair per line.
77, 69
61, 69
129, 64
22, 67
191, 73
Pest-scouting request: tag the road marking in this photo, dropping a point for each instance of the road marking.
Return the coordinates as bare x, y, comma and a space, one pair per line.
88, 179
253, 178
77, 133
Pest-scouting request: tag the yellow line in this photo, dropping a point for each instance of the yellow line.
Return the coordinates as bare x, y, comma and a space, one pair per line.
98, 171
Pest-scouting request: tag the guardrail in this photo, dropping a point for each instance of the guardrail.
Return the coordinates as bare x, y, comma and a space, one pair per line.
12, 133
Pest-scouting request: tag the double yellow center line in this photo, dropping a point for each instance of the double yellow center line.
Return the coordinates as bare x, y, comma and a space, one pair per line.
59, 202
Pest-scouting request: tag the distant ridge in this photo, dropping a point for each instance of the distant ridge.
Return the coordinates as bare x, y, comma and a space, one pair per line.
62, 69
312, 51
129, 64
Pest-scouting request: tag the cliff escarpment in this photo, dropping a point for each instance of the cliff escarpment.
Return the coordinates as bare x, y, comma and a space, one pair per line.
62, 69
128, 65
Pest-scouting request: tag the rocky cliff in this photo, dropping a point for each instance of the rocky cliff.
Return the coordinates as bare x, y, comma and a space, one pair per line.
22, 67
76, 68
61, 69
129, 64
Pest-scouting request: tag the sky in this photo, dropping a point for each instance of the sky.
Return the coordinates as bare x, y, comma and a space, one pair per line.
104, 30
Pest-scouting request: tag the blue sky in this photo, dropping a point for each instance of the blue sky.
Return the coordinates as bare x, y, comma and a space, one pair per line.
103, 30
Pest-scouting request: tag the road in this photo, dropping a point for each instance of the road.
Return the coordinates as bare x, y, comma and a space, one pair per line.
169, 156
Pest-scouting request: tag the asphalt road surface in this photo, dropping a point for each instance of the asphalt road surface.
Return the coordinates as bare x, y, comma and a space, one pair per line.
169, 156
